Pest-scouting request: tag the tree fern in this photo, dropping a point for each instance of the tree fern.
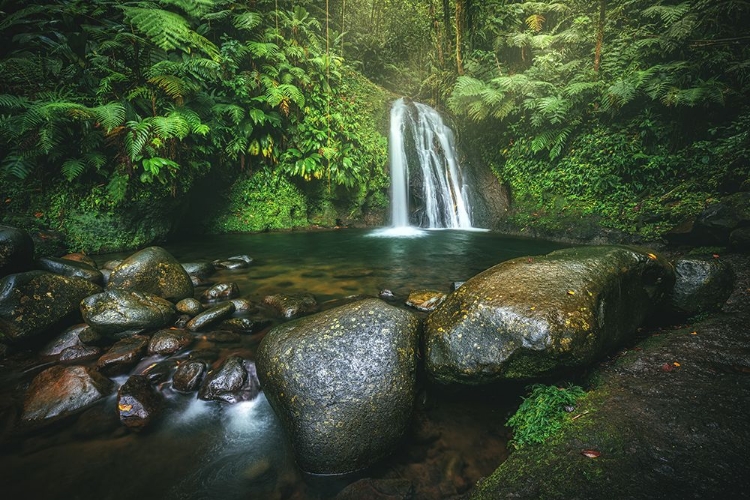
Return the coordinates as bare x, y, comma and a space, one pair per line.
73, 168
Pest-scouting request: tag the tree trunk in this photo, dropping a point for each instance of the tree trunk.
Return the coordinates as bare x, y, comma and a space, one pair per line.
600, 34
437, 34
460, 19
447, 26
343, 27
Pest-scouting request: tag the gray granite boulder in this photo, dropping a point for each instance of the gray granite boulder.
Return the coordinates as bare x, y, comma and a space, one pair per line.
34, 302
152, 270
343, 383
62, 390
117, 311
535, 316
702, 284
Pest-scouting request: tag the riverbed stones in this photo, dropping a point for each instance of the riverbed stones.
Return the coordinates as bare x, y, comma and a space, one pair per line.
189, 306
169, 341
188, 375
535, 316
221, 291
152, 270
211, 316
292, 305
138, 403
202, 270
67, 338
235, 380
343, 383
71, 268
425, 300
62, 390
16, 250
121, 311
702, 284
123, 355
34, 302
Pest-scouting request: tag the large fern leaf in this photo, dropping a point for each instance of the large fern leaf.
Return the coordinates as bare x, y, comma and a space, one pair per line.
73, 168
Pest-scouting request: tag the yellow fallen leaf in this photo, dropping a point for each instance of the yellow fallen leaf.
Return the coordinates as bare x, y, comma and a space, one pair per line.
571, 292
693, 333
123, 407
652, 256
676, 364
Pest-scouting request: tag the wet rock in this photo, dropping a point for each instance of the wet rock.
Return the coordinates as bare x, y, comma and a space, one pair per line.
70, 268
169, 341
96, 421
701, 285
155, 271
377, 489
189, 306
66, 339
211, 316
16, 251
231, 264
386, 294
242, 258
188, 375
82, 258
62, 390
79, 354
34, 302
111, 264
201, 270
456, 285
243, 306
182, 320
343, 383
292, 305
223, 336
123, 355
739, 239
235, 380
220, 291
425, 300
116, 311
531, 317
158, 372
138, 403
244, 325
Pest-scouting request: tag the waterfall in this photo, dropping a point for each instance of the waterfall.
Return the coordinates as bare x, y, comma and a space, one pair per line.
423, 148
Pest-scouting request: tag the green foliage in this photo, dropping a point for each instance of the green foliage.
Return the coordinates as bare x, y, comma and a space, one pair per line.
542, 414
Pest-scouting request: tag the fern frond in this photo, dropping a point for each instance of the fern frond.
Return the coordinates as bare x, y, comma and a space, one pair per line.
13, 101
136, 137
72, 168
17, 166
247, 21
109, 115
668, 14
535, 22
174, 86
171, 126
193, 8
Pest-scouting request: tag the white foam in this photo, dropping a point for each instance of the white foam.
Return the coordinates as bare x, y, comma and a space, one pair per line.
398, 232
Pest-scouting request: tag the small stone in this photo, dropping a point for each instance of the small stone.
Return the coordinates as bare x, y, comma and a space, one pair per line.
425, 300
235, 380
211, 316
221, 291
138, 403
188, 375
292, 305
169, 341
189, 306
123, 355
79, 353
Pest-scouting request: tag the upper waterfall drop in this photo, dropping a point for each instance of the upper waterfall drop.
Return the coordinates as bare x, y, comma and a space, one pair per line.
422, 148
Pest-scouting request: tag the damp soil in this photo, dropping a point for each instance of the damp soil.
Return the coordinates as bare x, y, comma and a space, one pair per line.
667, 417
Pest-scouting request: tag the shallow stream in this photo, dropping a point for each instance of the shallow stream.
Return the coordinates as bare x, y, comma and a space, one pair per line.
211, 450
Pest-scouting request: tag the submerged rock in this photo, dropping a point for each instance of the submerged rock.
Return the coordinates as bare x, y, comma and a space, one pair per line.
235, 380
244, 325
63, 390
117, 311
425, 300
701, 285
202, 270
138, 403
152, 270
292, 305
343, 383
33, 302
535, 316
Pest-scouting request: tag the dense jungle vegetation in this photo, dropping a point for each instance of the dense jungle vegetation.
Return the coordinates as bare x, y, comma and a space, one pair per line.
122, 122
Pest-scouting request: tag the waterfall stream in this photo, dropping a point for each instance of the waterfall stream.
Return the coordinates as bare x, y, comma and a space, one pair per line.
422, 148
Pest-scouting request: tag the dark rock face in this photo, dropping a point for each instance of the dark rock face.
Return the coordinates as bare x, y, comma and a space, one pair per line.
236, 380
701, 285
68, 338
166, 342
425, 300
152, 270
138, 403
123, 355
116, 311
188, 375
343, 383
535, 316
16, 251
716, 223
211, 316
63, 390
34, 301
71, 268
739, 239
221, 291
293, 305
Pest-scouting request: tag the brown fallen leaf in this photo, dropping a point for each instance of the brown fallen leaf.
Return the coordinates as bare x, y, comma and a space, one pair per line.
666, 367
591, 453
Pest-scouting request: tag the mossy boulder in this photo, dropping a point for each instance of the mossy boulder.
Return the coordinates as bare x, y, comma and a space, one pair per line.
16, 250
702, 284
152, 270
118, 311
343, 383
35, 302
536, 316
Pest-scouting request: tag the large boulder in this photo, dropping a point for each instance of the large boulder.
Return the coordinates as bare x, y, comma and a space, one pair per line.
34, 302
535, 316
62, 390
343, 383
117, 311
152, 270
702, 284
16, 250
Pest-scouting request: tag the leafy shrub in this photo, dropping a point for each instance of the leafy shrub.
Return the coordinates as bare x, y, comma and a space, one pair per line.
542, 413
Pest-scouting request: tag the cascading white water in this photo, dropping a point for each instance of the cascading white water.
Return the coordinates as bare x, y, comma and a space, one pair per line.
444, 193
